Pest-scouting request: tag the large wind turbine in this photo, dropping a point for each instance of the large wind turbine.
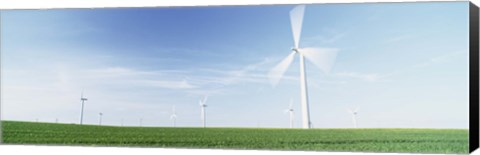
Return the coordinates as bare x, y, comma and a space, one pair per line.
290, 111
323, 58
354, 116
173, 117
203, 105
83, 99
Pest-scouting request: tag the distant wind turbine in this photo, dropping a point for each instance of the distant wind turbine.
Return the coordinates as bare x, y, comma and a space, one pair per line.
203, 105
83, 99
100, 120
354, 116
173, 117
322, 58
141, 121
290, 111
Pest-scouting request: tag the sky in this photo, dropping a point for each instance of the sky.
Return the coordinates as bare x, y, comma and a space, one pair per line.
403, 65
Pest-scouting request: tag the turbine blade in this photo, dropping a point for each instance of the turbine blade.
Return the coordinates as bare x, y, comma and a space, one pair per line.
205, 99
277, 72
296, 20
291, 104
323, 58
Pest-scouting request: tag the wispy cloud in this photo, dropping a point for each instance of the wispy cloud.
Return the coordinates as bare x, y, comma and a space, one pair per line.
328, 37
124, 71
199, 81
444, 58
370, 77
252, 73
377, 77
167, 84
399, 38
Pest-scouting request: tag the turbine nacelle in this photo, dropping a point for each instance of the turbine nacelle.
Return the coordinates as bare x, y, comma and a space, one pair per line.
295, 50
203, 102
288, 110
353, 112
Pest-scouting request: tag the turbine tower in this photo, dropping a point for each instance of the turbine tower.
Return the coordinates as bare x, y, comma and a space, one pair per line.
83, 99
322, 58
354, 116
203, 105
290, 111
100, 120
173, 117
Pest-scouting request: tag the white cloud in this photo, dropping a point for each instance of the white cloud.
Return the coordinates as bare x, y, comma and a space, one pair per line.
328, 37
399, 38
370, 77
444, 58
250, 73
166, 84
376, 77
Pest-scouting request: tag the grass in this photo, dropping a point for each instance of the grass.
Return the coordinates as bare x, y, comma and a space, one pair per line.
351, 140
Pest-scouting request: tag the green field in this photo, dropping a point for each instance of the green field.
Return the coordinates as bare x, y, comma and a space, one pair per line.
350, 140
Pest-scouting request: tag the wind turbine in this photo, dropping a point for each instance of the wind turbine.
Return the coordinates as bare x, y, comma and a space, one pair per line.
290, 111
173, 117
322, 58
100, 120
83, 99
354, 116
203, 105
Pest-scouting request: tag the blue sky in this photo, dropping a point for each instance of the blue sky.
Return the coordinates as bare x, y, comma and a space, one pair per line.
405, 65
